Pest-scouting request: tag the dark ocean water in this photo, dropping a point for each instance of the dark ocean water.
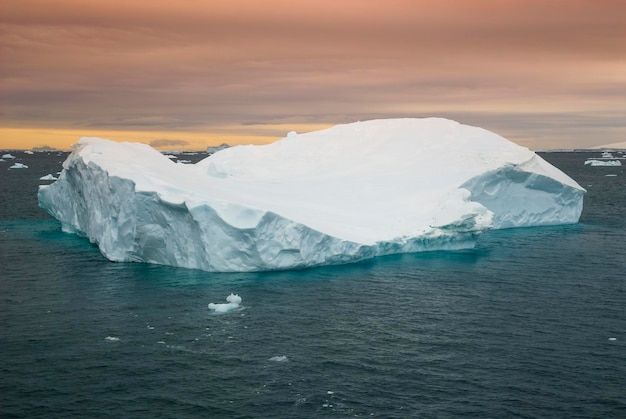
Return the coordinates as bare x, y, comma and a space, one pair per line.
531, 323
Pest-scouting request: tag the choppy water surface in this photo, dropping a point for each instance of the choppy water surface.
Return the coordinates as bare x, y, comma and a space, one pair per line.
530, 323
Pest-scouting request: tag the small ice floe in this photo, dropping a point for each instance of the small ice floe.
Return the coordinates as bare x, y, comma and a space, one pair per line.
112, 339
610, 163
49, 176
183, 161
612, 338
170, 156
29, 152
613, 175
234, 300
1, 160
7, 156
279, 358
18, 166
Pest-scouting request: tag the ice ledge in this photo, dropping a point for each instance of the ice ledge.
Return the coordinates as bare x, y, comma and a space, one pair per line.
506, 191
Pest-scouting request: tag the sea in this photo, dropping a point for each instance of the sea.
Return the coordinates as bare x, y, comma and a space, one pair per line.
531, 323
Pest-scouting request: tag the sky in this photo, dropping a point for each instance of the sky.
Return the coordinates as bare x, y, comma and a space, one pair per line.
187, 74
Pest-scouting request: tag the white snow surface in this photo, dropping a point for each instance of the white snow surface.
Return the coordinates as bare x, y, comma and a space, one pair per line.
338, 195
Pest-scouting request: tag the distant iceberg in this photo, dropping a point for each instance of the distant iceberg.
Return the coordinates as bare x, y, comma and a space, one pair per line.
339, 195
18, 166
594, 162
48, 177
8, 156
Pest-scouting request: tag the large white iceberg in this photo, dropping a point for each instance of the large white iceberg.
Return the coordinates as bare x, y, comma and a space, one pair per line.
338, 195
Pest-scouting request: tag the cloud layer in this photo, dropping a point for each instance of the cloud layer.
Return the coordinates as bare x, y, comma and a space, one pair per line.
548, 73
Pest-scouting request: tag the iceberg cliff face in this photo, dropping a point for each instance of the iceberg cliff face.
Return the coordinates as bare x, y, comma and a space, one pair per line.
334, 196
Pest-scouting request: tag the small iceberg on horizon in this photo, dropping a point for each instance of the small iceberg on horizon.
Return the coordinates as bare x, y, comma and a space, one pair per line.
49, 176
234, 301
19, 166
610, 163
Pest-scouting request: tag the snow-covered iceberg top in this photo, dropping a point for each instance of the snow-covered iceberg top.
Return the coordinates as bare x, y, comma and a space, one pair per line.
338, 195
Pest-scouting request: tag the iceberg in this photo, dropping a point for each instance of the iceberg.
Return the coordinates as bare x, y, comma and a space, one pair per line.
607, 163
340, 195
18, 166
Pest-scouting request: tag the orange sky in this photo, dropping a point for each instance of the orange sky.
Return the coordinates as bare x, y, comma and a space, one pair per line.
192, 73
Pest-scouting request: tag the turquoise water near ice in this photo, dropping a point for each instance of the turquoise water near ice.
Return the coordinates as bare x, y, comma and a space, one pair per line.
530, 323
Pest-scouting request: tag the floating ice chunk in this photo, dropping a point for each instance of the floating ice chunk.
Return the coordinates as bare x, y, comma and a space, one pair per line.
594, 162
7, 156
183, 161
1, 160
612, 338
234, 300
29, 152
611, 175
19, 166
48, 177
112, 339
280, 358
170, 156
